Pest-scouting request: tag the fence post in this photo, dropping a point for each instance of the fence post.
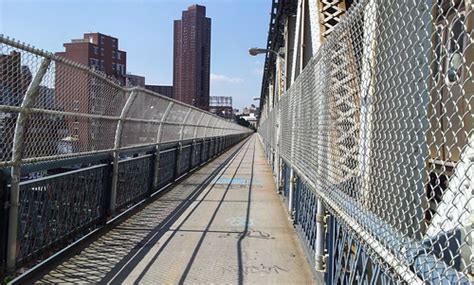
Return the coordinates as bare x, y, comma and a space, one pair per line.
156, 168
280, 174
17, 152
193, 154
108, 186
179, 150
320, 233
3, 222
209, 149
159, 135
117, 144
291, 192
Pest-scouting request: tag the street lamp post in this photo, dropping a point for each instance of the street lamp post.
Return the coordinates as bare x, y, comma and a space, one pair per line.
256, 51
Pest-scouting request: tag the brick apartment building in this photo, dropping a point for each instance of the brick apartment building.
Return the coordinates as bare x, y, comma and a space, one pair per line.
80, 92
100, 52
192, 57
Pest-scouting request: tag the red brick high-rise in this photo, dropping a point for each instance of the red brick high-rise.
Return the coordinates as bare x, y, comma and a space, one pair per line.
192, 57
100, 52
80, 92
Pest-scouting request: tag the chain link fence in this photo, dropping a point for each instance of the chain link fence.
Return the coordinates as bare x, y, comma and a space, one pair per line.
64, 109
379, 126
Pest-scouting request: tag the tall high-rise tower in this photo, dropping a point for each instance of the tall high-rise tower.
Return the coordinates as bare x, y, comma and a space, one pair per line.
192, 57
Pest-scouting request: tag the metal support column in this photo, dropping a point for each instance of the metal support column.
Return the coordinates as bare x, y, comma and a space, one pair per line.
117, 143
192, 157
320, 261
158, 144
3, 220
17, 153
179, 150
291, 192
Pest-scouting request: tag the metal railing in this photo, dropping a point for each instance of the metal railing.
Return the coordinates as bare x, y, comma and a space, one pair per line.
379, 128
77, 148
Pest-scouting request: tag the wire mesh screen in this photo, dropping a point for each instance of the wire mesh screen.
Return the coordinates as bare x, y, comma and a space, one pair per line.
51, 107
380, 125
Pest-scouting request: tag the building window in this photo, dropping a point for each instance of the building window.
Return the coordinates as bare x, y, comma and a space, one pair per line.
102, 51
119, 55
94, 63
102, 40
96, 50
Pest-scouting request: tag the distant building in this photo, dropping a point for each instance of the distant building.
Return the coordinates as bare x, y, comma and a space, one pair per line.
192, 57
100, 52
132, 80
250, 110
251, 118
165, 90
221, 106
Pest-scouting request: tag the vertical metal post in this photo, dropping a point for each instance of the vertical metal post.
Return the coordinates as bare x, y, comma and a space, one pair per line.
206, 127
157, 166
158, 144
17, 153
199, 124
180, 144
117, 143
179, 150
277, 150
280, 175
3, 220
183, 125
320, 233
153, 166
195, 135
193, 154
291, 192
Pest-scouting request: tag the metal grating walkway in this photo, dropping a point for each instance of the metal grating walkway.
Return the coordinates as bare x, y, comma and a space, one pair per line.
223, 224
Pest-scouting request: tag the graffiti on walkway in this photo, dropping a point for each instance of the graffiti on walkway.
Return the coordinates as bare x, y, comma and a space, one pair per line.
239, 221
256, 269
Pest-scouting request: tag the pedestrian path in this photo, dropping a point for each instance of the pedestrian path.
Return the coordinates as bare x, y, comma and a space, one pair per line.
223, 224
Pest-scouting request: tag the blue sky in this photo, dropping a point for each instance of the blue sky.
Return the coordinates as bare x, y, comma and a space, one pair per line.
145, 31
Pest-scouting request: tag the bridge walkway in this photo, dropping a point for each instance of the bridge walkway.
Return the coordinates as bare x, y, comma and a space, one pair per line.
224, 223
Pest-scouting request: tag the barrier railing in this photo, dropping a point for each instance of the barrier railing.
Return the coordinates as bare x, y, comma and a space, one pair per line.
379, 128
77, 148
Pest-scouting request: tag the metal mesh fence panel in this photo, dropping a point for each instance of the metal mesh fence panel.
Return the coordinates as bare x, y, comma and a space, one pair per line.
53, 210
63, 109
134, 179
380, 126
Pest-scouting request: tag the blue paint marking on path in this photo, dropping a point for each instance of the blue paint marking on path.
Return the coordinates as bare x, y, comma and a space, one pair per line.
237, 181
